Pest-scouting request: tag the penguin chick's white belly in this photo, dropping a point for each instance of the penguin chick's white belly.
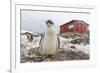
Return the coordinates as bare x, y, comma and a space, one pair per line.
50, 42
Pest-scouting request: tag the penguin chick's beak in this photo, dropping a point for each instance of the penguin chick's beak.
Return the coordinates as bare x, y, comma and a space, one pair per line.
47, 23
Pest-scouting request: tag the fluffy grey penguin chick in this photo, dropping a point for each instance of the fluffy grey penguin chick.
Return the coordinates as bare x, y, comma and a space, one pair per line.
49, 43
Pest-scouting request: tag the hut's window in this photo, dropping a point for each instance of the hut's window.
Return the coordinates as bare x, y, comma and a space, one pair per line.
70, 26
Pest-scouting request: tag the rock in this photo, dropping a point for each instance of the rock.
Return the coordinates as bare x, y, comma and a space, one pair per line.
37, 59
73, 47
76, 41
47, 60
72, 55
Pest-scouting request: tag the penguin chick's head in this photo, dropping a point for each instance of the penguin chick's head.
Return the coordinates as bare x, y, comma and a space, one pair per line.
49, 23
29, 36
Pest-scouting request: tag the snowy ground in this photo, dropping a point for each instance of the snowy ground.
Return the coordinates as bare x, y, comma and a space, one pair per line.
65, 43
74, 47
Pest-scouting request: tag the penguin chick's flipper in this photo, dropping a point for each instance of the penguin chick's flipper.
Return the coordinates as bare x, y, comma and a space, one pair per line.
41, 43
58, 43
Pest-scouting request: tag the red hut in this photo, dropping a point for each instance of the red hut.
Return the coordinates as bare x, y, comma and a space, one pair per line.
74, 26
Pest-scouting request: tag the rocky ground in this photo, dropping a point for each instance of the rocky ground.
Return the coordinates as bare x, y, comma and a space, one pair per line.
72, 47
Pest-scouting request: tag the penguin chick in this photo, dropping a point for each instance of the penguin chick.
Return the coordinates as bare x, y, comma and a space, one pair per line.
49, 41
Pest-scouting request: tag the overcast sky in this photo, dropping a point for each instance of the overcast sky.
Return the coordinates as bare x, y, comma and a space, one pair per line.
34, 21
